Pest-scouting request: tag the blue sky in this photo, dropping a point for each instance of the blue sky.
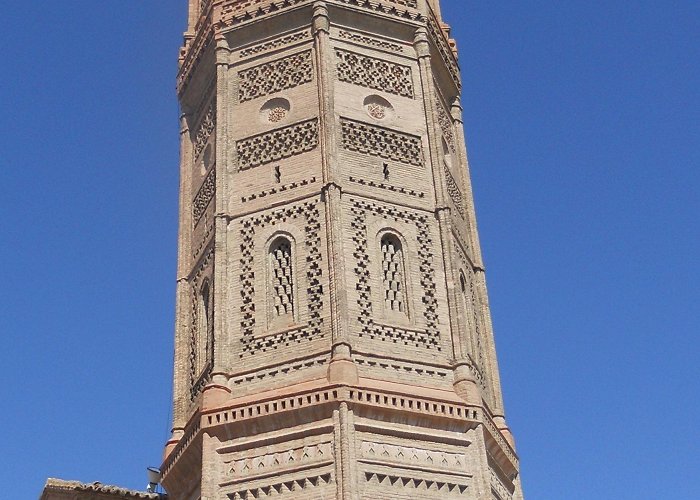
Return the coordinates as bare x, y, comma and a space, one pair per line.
583, 127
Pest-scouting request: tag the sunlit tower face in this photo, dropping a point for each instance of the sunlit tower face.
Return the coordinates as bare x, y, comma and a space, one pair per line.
333, 336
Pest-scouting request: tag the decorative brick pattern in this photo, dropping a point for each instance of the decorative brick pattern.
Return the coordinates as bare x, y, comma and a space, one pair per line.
430, 338
191, 54
440, 41
295, 486
275, 76
404, 369
204, 196
276, 43
201, 351
388, 187
476, 312
235, 12
370, 41
446, 126
322, 452
277, 144
205, 129
416, 483
198, 248
204, 5
279, 370
388, 8
374, 73
499, 486
382, 142
314, 289
393, 274
454, 191
413, 456
282, 189
281, 274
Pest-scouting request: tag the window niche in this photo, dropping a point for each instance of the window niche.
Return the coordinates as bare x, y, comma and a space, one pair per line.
204, 327
393, 276
281, 287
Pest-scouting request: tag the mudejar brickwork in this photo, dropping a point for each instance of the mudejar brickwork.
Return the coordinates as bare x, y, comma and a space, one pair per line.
333, 334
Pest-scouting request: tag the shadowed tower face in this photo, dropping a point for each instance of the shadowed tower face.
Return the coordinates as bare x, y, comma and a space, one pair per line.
333, 335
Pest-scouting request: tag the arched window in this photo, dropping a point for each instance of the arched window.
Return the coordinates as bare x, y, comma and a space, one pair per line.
282, 279
393, 274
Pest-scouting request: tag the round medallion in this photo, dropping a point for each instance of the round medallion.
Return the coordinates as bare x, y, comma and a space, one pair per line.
378, 108
275, 110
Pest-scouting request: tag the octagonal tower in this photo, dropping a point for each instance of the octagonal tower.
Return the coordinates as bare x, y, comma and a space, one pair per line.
333, 335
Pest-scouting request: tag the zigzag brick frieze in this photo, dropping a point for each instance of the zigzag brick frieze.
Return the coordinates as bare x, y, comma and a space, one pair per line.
299, 486
413, 455
412, 483
395, 8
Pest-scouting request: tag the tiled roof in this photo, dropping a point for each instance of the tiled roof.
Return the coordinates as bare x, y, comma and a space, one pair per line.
97, 487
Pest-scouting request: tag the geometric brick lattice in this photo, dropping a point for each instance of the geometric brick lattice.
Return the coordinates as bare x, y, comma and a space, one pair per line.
430, 336
205, 129
314, 289
374, 73
275, 76
454, 191
379, 141
204, 196
277, 144
445, 121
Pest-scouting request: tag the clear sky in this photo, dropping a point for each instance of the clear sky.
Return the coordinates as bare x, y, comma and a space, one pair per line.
583, 127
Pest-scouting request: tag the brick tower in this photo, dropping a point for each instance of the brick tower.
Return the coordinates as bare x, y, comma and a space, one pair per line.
333, 336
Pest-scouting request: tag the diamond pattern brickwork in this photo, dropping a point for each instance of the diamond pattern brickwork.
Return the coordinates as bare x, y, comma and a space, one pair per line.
275, 76
277, 144
382, 142
374, 73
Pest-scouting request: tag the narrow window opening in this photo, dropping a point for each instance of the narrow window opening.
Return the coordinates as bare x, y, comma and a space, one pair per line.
393, 274
282, 282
